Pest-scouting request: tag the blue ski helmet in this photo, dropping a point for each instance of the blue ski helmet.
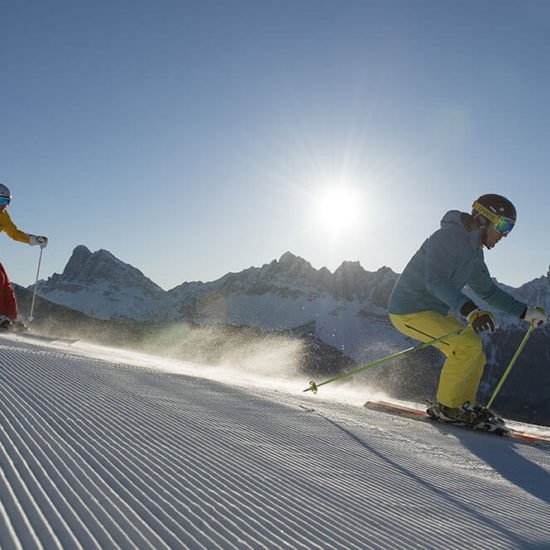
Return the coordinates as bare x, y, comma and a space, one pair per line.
5, 195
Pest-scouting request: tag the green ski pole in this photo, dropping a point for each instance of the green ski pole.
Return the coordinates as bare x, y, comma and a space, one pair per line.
313, 387
512, 362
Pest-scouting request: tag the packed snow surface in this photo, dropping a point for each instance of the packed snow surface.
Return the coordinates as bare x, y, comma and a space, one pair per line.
106, 449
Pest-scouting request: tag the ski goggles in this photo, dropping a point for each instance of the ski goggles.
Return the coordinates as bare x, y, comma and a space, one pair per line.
4, 200
502, 224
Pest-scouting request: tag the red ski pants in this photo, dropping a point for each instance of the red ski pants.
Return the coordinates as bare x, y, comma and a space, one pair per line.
8, 304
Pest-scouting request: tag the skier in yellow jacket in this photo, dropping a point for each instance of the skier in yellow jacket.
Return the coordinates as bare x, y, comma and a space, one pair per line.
8, 303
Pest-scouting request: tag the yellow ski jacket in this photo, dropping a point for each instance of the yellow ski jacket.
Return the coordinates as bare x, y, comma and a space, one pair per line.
10, 228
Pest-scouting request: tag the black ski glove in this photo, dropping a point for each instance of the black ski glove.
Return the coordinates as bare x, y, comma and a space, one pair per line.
478, 319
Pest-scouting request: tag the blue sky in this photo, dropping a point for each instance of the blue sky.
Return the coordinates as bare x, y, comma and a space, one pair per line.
194, 138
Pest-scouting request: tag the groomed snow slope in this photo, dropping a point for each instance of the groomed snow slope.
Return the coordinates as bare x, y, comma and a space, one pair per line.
100, 453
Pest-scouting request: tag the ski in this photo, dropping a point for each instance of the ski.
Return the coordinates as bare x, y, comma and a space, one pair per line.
421, 414
38, 337
47, 339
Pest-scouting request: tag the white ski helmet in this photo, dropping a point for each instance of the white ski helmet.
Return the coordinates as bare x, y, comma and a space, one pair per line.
5, 195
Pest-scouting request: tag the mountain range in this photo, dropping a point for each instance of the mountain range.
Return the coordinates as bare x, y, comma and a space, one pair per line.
284, 294
345, 309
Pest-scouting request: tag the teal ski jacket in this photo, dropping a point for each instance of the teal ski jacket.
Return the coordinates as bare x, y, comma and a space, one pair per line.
449, 259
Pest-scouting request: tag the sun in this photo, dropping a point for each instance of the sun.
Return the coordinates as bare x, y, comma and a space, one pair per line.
337, 209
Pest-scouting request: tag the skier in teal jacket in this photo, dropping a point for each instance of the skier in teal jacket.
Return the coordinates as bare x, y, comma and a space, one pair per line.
429, 294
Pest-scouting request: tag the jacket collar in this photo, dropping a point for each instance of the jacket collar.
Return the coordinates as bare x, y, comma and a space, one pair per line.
461, 219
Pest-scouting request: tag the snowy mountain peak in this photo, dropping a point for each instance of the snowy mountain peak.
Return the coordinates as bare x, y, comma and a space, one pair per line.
85, 266
348, 269
79, 257
101, 285
294, 267
288, 258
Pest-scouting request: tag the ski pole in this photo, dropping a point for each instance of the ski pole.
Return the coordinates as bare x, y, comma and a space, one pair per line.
313, 387
512, 362
35, 285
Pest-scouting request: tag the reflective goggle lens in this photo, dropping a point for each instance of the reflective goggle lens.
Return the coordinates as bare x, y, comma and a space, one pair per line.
504, 225
5, 200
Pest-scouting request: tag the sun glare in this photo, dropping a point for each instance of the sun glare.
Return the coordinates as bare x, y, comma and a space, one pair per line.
337, 209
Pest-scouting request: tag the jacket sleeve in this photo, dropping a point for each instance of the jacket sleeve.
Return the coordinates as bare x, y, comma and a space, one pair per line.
443, 251
7, 225
484, 287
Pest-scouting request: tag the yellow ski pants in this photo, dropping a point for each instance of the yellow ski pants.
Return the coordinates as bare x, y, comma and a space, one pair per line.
462, 371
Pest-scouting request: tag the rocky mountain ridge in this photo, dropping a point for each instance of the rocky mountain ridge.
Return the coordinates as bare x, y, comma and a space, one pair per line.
345, 310
101, 285
279, 295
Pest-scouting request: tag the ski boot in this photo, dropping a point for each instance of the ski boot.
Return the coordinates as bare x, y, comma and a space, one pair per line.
470, 415
5, 323
8, 325
19, 326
